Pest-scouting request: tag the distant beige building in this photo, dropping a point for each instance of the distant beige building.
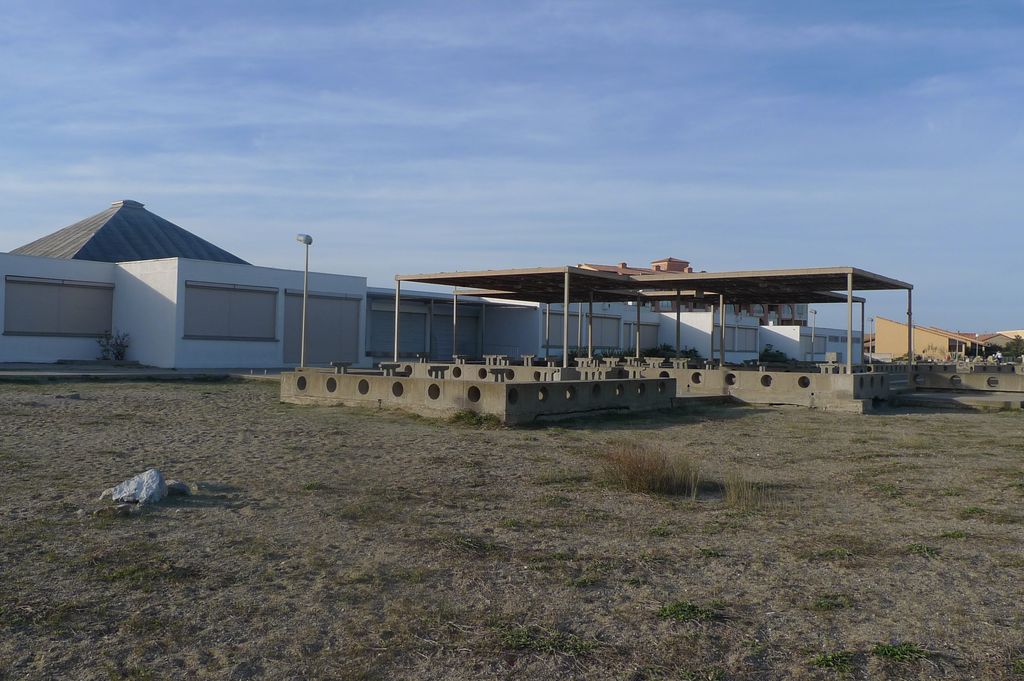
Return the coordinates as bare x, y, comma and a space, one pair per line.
929, 342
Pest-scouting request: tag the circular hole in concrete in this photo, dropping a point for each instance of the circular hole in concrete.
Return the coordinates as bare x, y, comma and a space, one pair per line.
992, 381
663, 374
696, 377
513, 396
641, 389
955, 380
542, 394
332, 385
619, 391
730, 379
596, 390
570, 392
408, 370
803, 382
456, 372
510, 375
536, 375
363, 387
301, 383
473, 393
434, 391
766, 381
397, 388
482, 373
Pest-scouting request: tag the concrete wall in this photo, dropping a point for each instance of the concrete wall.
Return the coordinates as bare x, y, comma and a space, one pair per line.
145, 306
201, 353
50, 348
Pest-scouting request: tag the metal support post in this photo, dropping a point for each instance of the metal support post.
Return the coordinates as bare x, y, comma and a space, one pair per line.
678, 322
590, 327
565, 320
455, 323
636, 331
398, 312
721, 331
910, 337
547, 329
579, 327
849, 322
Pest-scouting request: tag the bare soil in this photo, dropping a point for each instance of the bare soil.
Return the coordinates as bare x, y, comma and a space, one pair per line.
343, 543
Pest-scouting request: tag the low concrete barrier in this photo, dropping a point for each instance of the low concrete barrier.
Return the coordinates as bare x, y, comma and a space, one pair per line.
842, 392
514, 402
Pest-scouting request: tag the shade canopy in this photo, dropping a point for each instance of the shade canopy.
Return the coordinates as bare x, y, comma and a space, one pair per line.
538, 285
547, 285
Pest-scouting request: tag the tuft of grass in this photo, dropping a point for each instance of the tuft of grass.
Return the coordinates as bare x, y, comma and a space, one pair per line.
472, 419
923, 550
636, 467
832, 602
1017, 667
970, 512
149, 573
710, 674
747, 496
471, 545
710, 553
954, 534
659, 531
900, 652
541, 640
890, 490
685, 611
563, 478
841, 661
314, 486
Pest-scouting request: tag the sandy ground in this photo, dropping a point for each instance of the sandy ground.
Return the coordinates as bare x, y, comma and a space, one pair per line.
339, 543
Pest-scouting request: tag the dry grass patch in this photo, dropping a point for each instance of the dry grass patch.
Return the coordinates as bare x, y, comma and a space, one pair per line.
749, 496
640, 468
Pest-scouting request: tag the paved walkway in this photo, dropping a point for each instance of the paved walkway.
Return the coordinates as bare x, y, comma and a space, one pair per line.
95, 371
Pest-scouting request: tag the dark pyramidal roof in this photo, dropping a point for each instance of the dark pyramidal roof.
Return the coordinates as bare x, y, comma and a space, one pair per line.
126, 231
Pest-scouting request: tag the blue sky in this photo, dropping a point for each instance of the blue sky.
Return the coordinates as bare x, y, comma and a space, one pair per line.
411, 137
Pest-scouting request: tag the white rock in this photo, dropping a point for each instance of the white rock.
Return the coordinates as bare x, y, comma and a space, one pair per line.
144, 488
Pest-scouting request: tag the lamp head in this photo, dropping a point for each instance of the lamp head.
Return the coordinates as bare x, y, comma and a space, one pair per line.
304, 239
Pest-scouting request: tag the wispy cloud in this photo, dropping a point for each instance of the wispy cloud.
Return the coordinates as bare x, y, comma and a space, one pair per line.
475, 134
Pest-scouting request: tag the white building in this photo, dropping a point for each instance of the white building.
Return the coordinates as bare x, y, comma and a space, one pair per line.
188, 304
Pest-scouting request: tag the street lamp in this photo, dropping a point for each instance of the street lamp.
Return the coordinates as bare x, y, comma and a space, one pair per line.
306, 240
874, 339
814, 321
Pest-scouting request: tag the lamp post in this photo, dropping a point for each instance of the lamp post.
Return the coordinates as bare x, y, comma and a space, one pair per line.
874, 340
305, 240
814, 323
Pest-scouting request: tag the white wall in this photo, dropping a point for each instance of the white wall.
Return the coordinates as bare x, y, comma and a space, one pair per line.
49, 348
145, 300
782, 338
695, 332
196, 353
